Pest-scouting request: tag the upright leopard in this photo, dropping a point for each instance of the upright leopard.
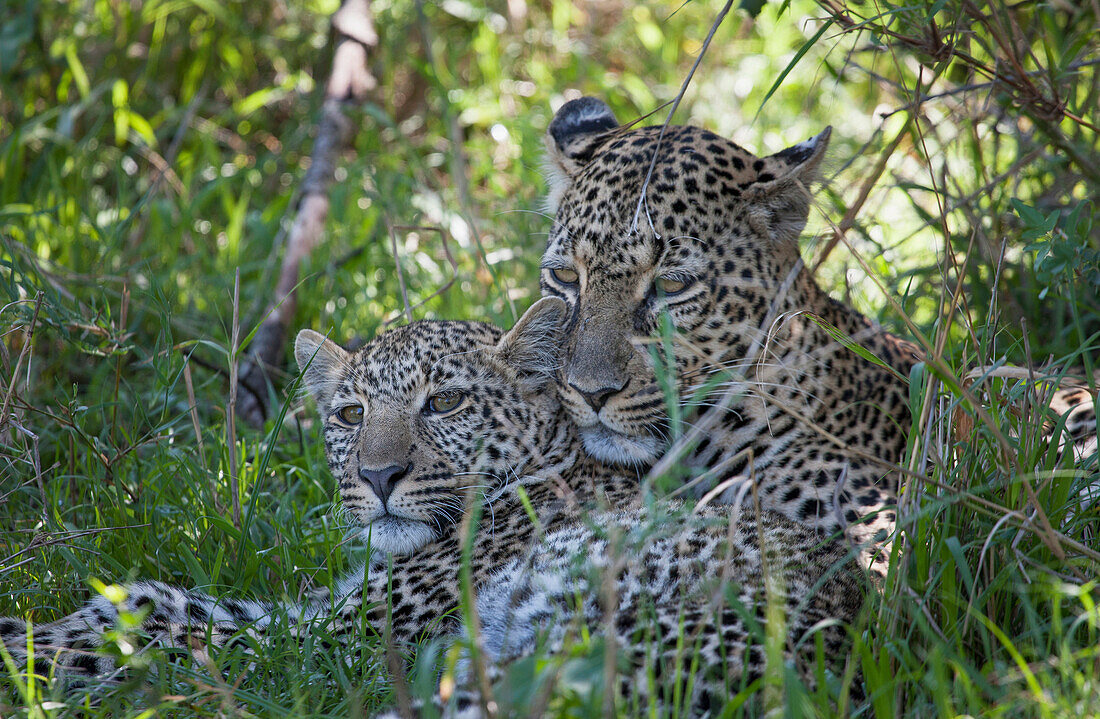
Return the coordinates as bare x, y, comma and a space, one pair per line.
680, 225
677, 248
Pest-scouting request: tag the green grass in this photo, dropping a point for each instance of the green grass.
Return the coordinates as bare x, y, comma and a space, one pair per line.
117, 277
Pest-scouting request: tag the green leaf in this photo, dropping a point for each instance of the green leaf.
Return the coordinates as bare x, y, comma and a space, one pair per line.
791, 65
852, 345
142, 128
80, 77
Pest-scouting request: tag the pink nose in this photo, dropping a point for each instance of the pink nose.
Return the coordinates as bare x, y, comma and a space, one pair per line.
382, 481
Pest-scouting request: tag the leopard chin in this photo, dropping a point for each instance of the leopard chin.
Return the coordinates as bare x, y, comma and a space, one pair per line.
396, 535
607, 445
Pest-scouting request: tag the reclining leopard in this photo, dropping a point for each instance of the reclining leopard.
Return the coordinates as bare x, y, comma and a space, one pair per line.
442, 462
427, 416
676, 228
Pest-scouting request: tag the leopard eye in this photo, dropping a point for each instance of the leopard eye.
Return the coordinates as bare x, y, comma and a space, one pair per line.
352, 414
669, 286
564, 276
445, 402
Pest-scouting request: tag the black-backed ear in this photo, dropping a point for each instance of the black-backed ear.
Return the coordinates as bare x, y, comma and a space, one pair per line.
571, 139
533, 346
322, 362
780, 197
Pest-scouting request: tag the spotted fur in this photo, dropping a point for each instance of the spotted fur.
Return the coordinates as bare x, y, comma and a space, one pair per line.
677, 251
770, 395
688, 599
504, 435
708, 573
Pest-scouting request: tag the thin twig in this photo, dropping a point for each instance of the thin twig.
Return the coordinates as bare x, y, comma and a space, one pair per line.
47, 539
450, 261
397, 265
672, 111
849, 218
164, 166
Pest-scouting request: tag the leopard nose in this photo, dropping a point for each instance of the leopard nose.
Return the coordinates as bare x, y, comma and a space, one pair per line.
382, 481
596, 399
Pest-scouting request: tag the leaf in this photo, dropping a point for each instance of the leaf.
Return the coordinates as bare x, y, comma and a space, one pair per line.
80, 77
918, 377
849, 343
791, 65
1028, 214
258, 99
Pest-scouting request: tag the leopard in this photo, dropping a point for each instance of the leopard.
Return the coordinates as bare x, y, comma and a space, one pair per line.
442, 432
447, 412
677, 252
700, 344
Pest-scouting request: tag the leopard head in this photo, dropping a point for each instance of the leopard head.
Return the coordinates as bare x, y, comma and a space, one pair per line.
426, 416
680, 232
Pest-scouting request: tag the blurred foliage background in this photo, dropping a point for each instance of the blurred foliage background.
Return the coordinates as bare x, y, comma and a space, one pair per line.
150, 149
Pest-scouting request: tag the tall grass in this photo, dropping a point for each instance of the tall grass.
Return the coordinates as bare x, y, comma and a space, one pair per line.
148, 151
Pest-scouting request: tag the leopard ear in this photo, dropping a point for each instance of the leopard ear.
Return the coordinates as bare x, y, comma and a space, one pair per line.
571, 141
533, 346
780, 196
322, 363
